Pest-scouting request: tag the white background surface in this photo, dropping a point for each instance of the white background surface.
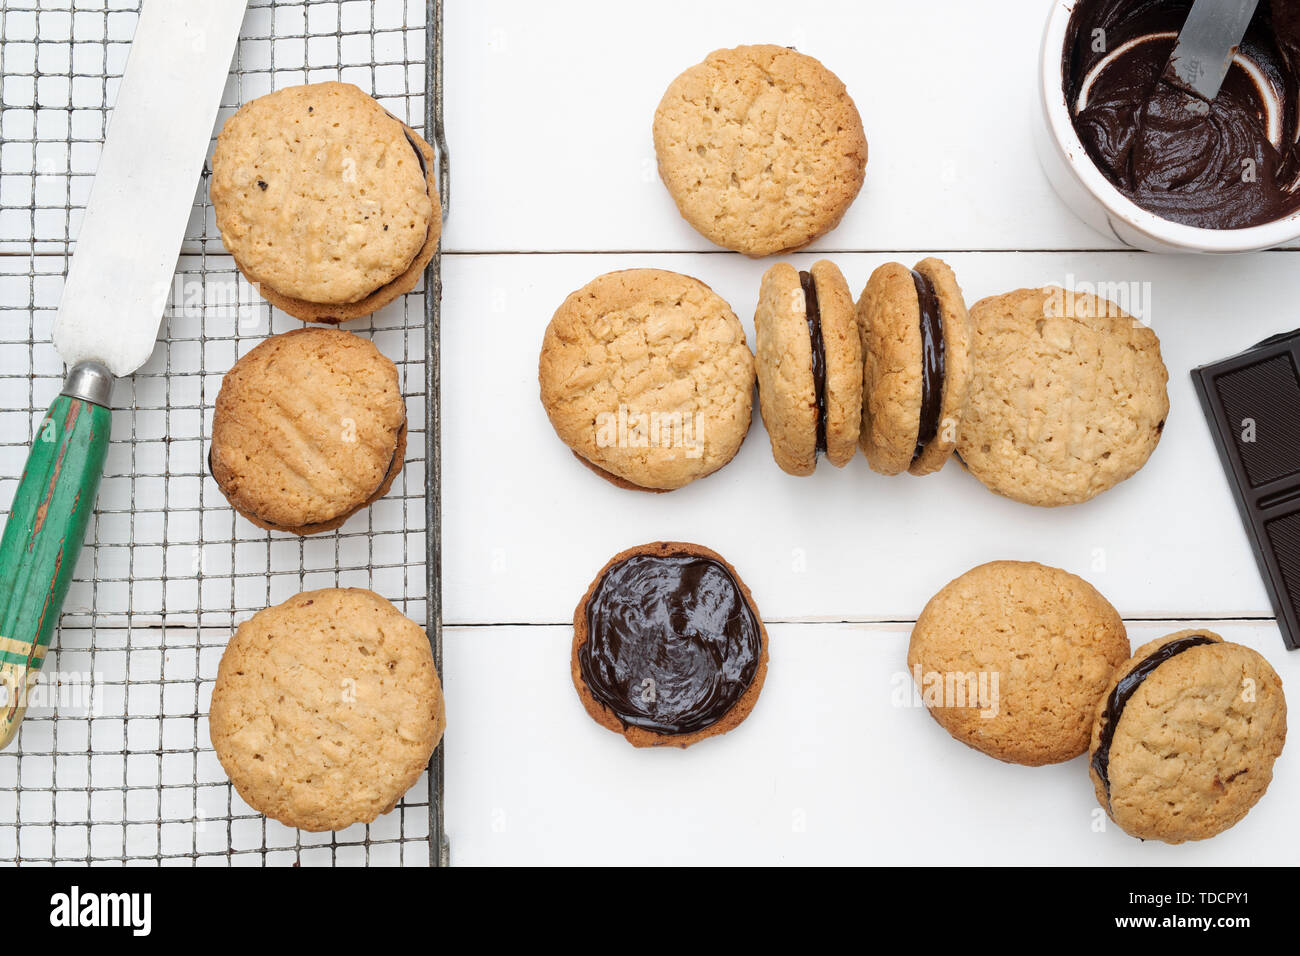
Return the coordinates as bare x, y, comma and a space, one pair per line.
549, 109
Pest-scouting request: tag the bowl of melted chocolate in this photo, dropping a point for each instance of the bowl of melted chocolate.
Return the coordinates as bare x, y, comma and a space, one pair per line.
1138, 158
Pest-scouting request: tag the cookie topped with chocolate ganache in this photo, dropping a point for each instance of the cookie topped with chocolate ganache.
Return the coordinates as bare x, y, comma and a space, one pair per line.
668, 647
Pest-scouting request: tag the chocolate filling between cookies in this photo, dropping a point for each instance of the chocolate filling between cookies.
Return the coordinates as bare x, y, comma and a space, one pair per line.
419, 155
1123, 691
818, 352
672, 643
932, 363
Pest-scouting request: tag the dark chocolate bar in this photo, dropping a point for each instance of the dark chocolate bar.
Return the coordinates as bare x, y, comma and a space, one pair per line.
1252, 401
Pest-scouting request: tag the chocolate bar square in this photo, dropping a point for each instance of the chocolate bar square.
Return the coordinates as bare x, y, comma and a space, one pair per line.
1252, 402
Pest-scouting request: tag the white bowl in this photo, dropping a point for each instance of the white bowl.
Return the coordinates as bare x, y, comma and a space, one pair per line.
1090, 194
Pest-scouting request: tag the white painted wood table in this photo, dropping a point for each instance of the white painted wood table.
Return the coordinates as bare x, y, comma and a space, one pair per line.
548, 116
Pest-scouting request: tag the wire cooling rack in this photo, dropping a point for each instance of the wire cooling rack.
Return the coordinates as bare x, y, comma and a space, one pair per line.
113, 762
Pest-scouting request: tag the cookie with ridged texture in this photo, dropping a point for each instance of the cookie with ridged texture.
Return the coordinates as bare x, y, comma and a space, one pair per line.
1068, 396
1193, 745
309, 428
761, 147
326, 708
1012, 657
894, 368
646, 375
787, 356
681, 654
327, 202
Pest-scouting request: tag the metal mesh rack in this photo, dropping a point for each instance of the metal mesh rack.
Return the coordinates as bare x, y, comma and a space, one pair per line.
113, 763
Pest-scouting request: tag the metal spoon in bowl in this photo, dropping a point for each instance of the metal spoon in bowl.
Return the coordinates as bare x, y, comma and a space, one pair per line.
1206, 46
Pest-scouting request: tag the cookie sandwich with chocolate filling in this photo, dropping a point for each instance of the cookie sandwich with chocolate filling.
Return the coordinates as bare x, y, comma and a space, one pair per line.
326, 709
309, 428
916, 365
1185, 737
647, 377
327, 202
809, 366
668, 646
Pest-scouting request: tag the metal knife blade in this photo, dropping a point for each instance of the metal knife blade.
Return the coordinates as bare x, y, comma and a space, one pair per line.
1206, 45
144, 187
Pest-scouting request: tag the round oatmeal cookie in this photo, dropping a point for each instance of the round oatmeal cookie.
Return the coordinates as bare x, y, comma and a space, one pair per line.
309, 428
761, 148
1011, 658
646, 375
327, 202
916, 366
326, 708
1068, 397
1185, 737
332, 314
809, 366
668, 646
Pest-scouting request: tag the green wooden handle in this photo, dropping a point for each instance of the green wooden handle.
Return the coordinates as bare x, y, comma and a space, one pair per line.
42, 538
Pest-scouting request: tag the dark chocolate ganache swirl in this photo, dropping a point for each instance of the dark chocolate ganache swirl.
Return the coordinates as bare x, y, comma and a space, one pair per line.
932, 363
818, 353
1226, 164
672, 643
1124, 689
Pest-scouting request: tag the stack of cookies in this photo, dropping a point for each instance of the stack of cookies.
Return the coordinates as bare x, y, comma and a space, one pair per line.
890, 374
329, 206
326, 201
915, 366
